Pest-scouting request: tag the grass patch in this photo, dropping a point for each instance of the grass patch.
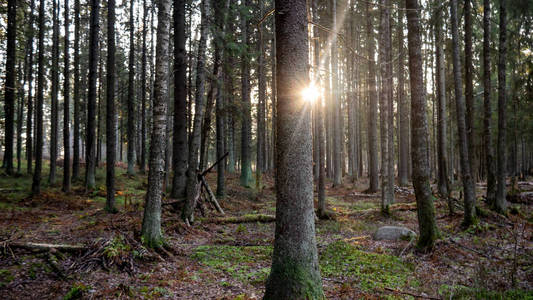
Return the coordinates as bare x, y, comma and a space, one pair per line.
463, 292
363, 205
238, 262
371, 271
76, 291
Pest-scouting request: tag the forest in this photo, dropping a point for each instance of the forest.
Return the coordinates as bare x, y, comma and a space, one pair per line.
266, 149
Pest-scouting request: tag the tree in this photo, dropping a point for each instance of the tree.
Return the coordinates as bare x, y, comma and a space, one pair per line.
110, 110
194, 144
385, 58
66, 105
487, 86
403, 105
90, 149
55, 91
36, 183
76, 133
469, 87
131, 99
501, 203
337, 143
442, 178
10, 85
246, 119
151, 226
295, 273
373, 106
143, 89
180, 153
419, 132
261, 105
468, 183
29, 142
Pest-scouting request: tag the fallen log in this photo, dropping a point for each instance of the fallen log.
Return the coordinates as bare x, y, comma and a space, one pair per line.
46, 247
243, 219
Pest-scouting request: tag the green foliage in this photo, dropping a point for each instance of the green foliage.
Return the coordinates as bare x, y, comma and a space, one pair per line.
370, 271
238, 262
463, 292
5, 277
76, 291
117, 248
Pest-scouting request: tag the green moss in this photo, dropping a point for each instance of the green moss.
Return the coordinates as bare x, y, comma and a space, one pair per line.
463, 292
5, 277
76, 291
290, 279
239, 262
370, 271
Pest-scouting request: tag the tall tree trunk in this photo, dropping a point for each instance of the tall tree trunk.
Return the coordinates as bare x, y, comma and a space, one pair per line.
20, 109
221, 8
487, 86
131, 99
295, 272
194, 144
36, 183
10, 85
151, 227
419, 132
387, 169
206, 124
336, 105
501, 203
443, 181
143, 90
373, 106
469, 89
180, 146
260, 164
77, 116
403, 104
29, 142
55, 91
246, 119
468, 182
66, 105
90, 154
110, 110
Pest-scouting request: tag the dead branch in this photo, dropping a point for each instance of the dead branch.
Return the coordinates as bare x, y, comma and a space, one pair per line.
243, 219
46, 247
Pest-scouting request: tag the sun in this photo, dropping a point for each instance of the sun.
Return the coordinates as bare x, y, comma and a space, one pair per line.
310, 93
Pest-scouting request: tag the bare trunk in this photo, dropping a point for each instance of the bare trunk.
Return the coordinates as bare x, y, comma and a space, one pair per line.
66, 105
10, 85
110, 110
77, 116
55, 90
36, 184
131, 99
246, 120
373, 107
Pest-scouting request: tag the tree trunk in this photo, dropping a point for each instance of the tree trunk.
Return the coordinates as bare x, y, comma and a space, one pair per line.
36, 184
403, 104
66, 105
151, 227
260, 164
179, 155
501, 203
468, 183
246, 120
90, 154
419, 132
469, 89
143, 91
295, 273
336, 103
131, 99
443, 182
110, 110
29, 142
487, 87
194, 144
373, 107
10, 85
76, 133
54, 122
387, 185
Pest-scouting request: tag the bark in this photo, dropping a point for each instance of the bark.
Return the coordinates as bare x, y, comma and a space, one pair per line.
469, 88
336, 105
419, 132
500, 203
110, 110
194, 144
131, 99
403, 104
54, 122
36, 183
261, 130
179, 156
10, 85
29, 113
90, 149
66, 105
373, 107
487, 87
20, 109
151, 227
206, 124
77, 116
443, 182
143, 91
468, 183
246, 119
295, 272
387, 170
243, 219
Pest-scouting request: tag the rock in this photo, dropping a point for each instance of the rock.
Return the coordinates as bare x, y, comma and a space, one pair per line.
393, 233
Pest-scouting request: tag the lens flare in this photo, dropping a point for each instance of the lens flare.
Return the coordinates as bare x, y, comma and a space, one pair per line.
310, 93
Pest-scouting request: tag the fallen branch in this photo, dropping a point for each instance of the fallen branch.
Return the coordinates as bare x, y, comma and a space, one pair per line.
47, 247
243, 219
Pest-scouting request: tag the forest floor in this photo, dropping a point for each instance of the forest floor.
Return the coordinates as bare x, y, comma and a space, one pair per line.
210, 260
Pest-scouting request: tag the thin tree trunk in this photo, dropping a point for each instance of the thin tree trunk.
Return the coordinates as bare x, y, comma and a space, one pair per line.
246, 120
419, 132
66, 105
469, 88
403, 104
336, 103
373, 107
76, 133
295, 272
260, 164
468, 183
55, 91
36, 183
131, 99
143, 91
29, 113
110, 110
151, 227
10, 85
